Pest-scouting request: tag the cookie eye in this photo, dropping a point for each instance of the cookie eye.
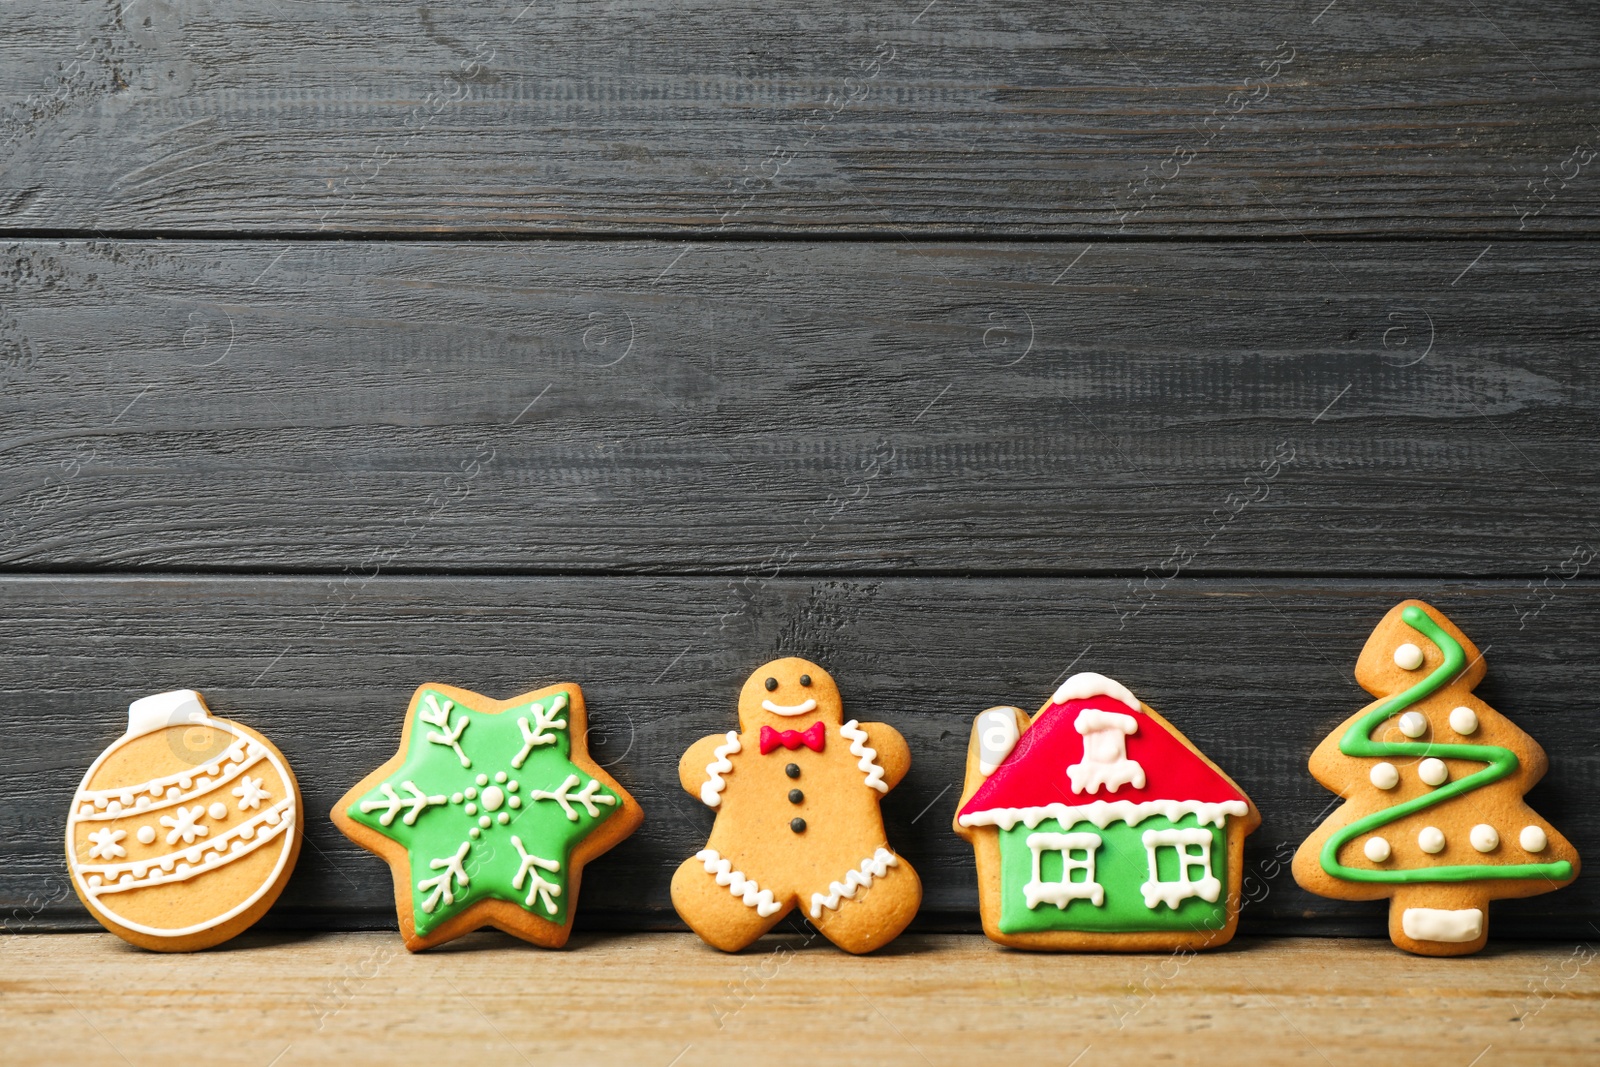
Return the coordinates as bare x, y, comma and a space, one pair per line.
772, 683
805, 679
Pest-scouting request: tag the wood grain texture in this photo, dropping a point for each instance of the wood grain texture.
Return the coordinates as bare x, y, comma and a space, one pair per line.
1024, 117
1254, 671
355, 999
608, 407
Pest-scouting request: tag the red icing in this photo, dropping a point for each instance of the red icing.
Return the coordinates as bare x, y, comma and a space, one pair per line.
1035, 773
813, 738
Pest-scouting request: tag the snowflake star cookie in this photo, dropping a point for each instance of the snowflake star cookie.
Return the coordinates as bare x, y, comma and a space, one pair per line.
488, 813
796, 791
1099, 827
185, 830
1432, 779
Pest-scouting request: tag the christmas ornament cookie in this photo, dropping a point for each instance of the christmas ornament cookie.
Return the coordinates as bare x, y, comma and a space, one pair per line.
1099, 827
1433, 779
488, 813
185, 830
796, 791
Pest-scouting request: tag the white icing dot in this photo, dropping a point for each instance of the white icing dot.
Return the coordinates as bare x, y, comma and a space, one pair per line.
1533, 839
1384, 775
218, 810
247, 832
185, 782
139, 870
504, 818
472, 809
183, 868
1464, 721
455, 798
236, 846
141, 804
472, 794
1484, 837
203, 783
213, 770
113, 807
155, 790
1377, 849
166, 863
173, 792
193, 855
1413, 724
1408, 657
1433, 771
515, 802
94, 880
500, 776
127, 798
483, 779
99, 802
484, 821
87, 809
475, 832
513, 785
493, 797
126, 878
1431, 840
146, 835
156, 876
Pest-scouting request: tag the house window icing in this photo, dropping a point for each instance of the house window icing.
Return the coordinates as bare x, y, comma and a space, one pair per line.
1105, 754
1065, 891
1194, 868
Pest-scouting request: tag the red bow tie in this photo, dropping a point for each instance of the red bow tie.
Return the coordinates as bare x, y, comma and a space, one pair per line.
792, 739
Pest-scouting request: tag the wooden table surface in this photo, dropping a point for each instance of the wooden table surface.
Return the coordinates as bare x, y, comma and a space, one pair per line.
357, 998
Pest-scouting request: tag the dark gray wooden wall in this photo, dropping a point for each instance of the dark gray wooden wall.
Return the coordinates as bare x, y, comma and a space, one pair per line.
347, 346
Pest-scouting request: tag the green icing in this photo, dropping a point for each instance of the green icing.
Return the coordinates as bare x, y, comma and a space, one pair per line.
1121, 867
1358, 741
435, 804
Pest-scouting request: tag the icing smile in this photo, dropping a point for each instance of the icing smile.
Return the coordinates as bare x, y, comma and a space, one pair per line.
808, 705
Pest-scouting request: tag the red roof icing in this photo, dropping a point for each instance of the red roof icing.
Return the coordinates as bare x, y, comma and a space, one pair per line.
1035, 773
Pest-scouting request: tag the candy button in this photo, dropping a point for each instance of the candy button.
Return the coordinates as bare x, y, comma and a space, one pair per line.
792, 770
795, 797
797, 825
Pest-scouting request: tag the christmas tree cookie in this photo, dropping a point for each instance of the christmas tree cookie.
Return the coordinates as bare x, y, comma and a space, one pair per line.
185, 830
1099, 827
488, 813
1433, 780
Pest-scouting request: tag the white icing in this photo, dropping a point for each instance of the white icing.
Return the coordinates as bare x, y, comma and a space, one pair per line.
435, 714
808, 704
104, 844
868, 762
1464, 721
1384, 775
1435, 924
545, 891
1065, 891
1433, 771
997, 736
1413, 724
711, 789
393, 802
1408, 657
494, 796
177, 708
146, 835
1088, 684
1105, 812
874, 866
1484, 837
172, 789
540, 731
206, 856
452, 875
1207, 887
1533, 839
217, 810
185, 823
1430, 839
566, 798
740, 886
1377, 849
1105, 753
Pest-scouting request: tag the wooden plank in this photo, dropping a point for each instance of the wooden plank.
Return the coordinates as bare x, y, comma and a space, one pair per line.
846, 407
354, 999
1255, 671
1021, 117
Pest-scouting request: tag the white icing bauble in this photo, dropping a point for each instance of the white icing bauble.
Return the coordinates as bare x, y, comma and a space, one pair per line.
1464, 721
1384, 775
1533, 839
218, 810
1377, 849
1431, 840
1433, 771
146, 834
1484, 837
1413, 724
1408, 657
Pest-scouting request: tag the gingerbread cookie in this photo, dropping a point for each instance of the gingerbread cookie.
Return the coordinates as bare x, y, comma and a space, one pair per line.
1099, 827
488, 813
185, 830
796, 791
1433, 779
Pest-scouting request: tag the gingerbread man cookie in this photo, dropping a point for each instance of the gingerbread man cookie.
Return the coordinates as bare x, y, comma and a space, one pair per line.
796, 791
1433, 780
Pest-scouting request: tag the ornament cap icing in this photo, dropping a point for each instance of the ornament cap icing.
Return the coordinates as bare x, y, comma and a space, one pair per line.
157, 712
